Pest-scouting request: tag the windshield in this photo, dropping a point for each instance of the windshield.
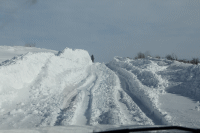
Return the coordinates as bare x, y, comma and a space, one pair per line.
99, 65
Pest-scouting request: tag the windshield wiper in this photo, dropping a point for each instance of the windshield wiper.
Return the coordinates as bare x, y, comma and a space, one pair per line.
152, 129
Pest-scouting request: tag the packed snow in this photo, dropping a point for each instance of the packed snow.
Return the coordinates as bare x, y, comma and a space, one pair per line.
45, 91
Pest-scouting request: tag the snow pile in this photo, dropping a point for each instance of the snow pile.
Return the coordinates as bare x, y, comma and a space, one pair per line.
79, 56
184, 79
21, 69
151, 79
143, 83
32, 85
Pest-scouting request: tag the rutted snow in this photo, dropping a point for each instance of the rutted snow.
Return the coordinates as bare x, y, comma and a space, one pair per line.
110, 103
63, 89
150, 80
46, 89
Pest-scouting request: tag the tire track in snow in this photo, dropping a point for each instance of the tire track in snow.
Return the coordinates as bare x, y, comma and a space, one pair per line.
126, 87
69, 110
83, 112
142, 97
104, 109
73, 100
88, 111
132, 113
109, 106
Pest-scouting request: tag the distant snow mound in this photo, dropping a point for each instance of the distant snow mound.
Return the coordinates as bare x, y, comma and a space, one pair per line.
77, 55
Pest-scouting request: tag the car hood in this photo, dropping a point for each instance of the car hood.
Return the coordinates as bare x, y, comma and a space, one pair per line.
76, 129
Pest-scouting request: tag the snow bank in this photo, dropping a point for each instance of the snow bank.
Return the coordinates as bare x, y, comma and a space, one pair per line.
79, 56
22, 69
151, 78
31, 77
144, 83
184, 79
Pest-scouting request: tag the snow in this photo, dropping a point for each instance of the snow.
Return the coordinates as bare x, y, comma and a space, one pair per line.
48, 91
164, 87
8, 52
184, 111
34, 83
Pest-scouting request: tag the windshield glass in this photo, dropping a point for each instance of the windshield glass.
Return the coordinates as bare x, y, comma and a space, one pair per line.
99, 64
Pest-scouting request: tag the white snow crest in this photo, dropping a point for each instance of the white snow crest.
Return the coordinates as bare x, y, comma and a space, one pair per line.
78, 55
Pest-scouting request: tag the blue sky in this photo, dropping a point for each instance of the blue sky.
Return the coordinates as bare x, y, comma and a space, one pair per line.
105, 28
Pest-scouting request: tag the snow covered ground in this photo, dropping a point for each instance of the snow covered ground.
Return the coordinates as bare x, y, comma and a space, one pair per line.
170, 90
46, 91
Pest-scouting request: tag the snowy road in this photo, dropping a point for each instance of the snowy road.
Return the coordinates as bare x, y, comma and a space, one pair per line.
79, 94
46, 89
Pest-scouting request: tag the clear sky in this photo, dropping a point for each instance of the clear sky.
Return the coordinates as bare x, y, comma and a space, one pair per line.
105, 28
